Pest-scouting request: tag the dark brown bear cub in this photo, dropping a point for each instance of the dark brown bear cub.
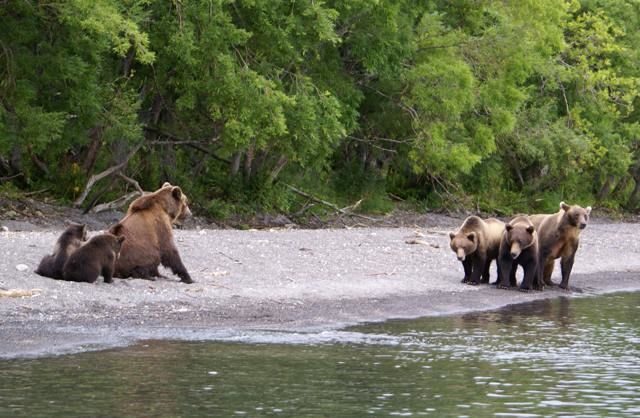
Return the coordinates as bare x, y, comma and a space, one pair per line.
97, 257
70, 240
519, 246
476, 244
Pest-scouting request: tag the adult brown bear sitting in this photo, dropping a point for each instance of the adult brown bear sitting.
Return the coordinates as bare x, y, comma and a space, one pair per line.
559, 237
148, 229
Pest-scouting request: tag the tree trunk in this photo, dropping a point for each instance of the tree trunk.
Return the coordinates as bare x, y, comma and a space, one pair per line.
248, 160
634, 199
156, 110
127, 62
95, 134
15, 160
282, 162
621, 186
605, 190
235, 164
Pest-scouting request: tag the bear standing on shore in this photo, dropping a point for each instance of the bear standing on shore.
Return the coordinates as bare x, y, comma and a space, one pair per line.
519, 246
559, 237
96, 257
476, 244
148, 229
70, 240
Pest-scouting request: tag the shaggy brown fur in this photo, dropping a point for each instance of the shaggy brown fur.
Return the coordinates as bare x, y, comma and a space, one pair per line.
519, 246
96, 257
476, 244
559, 237
148, 228
70, 240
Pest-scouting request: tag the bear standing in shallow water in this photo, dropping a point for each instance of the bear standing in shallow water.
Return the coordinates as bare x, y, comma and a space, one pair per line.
69, 241
148, 228
559, 237
476, 244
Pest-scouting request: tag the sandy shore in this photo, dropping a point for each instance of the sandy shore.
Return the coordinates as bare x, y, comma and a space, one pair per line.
285, 280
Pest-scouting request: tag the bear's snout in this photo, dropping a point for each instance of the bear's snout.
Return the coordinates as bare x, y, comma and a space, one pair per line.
515, 250
583, 225
460, 253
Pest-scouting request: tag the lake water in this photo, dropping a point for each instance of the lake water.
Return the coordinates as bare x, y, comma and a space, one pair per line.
567, 357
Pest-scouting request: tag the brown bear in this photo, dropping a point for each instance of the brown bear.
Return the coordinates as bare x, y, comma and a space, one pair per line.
148, 228
96, 257
519, 246
69, 241
476, 244
558, 237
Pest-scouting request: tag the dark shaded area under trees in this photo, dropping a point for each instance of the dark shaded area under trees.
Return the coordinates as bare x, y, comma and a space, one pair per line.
275, 106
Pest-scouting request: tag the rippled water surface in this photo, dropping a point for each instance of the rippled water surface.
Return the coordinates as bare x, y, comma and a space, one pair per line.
568, 357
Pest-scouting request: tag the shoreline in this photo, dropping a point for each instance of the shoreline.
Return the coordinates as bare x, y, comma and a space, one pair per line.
283, 281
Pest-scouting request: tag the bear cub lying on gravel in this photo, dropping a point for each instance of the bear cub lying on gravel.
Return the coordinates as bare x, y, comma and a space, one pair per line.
70, 240
96, 257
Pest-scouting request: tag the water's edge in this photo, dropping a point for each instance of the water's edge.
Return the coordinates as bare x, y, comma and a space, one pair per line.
33, 338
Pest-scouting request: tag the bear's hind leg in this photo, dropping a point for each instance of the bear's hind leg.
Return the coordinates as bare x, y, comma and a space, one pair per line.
548, 270
566, 265
144, 272
485, 274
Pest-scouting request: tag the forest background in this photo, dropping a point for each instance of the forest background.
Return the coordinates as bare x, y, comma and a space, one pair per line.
249, 105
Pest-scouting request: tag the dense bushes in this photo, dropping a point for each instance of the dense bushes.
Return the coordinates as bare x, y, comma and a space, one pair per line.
501, 106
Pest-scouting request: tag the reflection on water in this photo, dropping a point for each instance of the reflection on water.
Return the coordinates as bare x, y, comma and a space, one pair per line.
565, 357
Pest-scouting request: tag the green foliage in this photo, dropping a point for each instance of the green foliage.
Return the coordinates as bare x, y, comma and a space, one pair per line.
497, 106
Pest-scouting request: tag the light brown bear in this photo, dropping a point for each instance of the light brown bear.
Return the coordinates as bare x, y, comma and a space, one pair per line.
69, 241
148, 228
476, 244
96, 257
519, 246
559, 237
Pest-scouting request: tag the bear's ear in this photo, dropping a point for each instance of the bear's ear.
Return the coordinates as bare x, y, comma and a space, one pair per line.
508, 227
530, 229
564, 206
471, 236
452, 235
176, 192
166, 184
588, 210
116, 229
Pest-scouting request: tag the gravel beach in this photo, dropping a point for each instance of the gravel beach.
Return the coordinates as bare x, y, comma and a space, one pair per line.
288, 280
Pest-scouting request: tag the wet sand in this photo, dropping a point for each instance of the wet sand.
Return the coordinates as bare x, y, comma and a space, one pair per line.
282, 280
